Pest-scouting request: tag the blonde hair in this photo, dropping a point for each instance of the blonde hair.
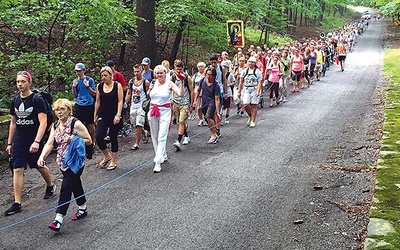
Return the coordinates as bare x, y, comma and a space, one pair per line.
108, 69
62, 101
160, 67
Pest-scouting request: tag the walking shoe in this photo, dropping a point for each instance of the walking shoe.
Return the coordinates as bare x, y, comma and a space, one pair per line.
15, 208
79, 214
164, 159
284, 99
157, 168
252, 124
200, 123
49, 192
55, 225
226, 121
186, 140
177, 145
249, 121
135, 147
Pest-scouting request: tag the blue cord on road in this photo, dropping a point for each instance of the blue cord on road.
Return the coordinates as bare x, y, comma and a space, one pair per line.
93, 190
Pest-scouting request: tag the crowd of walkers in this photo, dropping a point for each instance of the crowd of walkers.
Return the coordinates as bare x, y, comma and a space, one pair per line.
154, 100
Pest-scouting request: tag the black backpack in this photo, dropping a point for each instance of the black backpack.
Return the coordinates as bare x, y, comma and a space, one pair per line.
48, 99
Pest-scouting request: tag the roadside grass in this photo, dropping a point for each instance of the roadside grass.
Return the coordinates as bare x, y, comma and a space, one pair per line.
386, 202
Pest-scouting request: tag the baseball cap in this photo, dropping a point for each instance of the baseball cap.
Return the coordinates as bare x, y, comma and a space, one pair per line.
225, 64
146, 61
79, 66
110, 63
252, 59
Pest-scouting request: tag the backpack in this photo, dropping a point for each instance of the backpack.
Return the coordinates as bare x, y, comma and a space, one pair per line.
89, 149
247, 72
48, 99
285, 67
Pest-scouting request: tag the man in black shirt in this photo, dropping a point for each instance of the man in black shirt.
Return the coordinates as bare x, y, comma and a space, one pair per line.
27, 127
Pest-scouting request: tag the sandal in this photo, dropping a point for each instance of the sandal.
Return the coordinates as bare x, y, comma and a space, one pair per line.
109, 168
213, 140
103, 163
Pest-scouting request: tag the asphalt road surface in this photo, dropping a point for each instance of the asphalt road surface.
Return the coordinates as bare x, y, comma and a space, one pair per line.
247, 191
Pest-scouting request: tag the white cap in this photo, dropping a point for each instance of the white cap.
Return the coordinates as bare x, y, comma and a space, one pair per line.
252, 59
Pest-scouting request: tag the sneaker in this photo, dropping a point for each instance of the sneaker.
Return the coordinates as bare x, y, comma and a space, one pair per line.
15, 208
200, 123
49, 192
248, 121
226, 121
218, 132
79, 214
55, 225
252, 124
284, 99
164, 159
186, 140
157, 168
177, 145
241, 113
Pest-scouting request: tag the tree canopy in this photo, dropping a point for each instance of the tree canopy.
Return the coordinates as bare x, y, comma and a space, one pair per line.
49, 37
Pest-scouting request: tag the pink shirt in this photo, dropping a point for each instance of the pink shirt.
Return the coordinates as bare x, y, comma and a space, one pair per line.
274, 76
297, 63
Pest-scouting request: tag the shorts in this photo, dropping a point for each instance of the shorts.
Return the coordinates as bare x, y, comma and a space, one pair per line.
342, 58
208, 112
181, 112
296, 76
21, 157
249, 96
226, 102
84, 113
138, 116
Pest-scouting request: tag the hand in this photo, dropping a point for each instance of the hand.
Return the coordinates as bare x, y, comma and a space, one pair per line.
191, 109
9, 149
34, 148
116, 120
194, 104
239, 94
86, 82
41, 162
67, 138
75, 83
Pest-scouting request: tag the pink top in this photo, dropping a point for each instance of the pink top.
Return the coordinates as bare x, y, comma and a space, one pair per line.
297, 63
274, 76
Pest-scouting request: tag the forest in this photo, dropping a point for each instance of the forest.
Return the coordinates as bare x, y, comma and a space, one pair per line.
48, 37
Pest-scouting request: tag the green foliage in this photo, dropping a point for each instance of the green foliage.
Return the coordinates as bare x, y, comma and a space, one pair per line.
391, 9
48, 38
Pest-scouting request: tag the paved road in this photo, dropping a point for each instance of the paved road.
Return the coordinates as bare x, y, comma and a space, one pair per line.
246, 191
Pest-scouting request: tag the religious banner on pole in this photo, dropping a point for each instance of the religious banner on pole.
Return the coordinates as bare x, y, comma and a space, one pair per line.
235, 31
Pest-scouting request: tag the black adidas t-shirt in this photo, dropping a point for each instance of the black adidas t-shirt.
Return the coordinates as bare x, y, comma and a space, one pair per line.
26, 111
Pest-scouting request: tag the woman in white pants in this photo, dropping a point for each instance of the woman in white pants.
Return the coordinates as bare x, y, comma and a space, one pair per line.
160, 113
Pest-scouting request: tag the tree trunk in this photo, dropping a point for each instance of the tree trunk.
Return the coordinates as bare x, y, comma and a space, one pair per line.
177, 42
323, 9
146, 40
